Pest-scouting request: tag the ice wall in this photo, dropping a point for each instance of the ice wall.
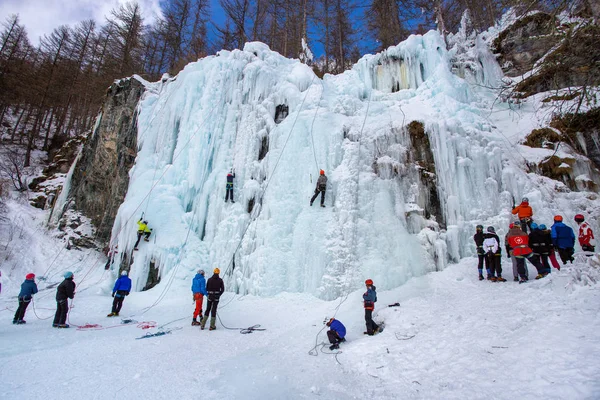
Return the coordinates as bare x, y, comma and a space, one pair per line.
218, 114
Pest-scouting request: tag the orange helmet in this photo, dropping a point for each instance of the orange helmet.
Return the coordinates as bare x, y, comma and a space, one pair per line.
558, 218
369, 282
217, 271
322, 172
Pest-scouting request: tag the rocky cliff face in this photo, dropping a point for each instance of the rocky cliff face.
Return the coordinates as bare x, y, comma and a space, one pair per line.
100, 176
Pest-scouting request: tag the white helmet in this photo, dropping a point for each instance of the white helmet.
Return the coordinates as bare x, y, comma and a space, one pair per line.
124, 272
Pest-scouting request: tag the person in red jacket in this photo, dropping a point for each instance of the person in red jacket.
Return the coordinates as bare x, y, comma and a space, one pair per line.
586, 235
525, 214
519, 242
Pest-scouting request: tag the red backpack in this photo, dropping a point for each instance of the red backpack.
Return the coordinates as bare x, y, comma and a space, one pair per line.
520, 245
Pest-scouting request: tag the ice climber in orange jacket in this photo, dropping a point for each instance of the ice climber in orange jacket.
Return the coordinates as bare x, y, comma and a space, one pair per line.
525, 213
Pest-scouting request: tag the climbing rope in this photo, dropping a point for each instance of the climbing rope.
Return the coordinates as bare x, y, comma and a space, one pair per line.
243, 331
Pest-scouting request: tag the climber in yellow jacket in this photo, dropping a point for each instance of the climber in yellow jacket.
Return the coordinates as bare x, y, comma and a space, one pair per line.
143, 230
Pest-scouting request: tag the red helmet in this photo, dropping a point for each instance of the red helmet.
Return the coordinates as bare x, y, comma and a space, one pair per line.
322, 172
558, 218
369, 282
579, 218
30, 276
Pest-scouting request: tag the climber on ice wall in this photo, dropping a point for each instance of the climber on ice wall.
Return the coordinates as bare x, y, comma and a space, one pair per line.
321, 188
524, 212
143, 230
229, 186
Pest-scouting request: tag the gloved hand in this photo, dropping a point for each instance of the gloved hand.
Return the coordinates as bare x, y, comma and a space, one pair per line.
113, 295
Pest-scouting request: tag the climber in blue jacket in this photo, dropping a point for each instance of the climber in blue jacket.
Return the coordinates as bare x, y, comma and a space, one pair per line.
120, 290
336, 333
28, 289
198, 292
563, 239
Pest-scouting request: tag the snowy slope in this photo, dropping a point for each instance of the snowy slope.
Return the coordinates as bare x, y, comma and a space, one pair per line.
471, 340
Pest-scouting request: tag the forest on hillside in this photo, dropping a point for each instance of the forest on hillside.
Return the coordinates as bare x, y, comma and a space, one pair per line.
51, 91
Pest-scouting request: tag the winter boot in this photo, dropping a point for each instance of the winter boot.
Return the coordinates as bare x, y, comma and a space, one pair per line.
203, 322
21, 322
500, 279
63, 326
195, 322
493, 279
311, 203
112, 314
213, 322
55, 325
516, 279
540, 276
14, 321
481, 277
334, 346
323, 205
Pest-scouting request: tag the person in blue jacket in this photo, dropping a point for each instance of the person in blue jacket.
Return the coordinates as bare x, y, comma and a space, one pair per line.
563, 239
370, 297
28, 289
120, 290
336, 333
198, 292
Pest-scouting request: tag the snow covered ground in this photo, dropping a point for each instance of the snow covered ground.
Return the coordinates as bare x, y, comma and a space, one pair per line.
471, 340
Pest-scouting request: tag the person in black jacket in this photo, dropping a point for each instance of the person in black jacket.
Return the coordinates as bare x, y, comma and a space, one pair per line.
65, 291
229, 186
321, 188
540, 243
214, 288
479, 238
28, 289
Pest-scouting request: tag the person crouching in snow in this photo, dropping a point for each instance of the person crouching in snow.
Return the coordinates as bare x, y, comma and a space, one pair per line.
64, 292
120, 290
493, 254
525, 213
586, 235
336, 333
370, 297
321, 188
198, 292
28, 289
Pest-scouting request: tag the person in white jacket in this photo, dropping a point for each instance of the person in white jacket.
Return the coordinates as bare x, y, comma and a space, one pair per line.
493, 255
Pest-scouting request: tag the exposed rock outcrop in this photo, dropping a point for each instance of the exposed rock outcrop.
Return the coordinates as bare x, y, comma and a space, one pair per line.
100, 178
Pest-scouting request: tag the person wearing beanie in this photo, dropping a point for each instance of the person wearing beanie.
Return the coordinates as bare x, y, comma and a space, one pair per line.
586, 235
336, 333
28, 289
519, 242
525, 214
478, 238
493, 254
548, 239
563, 239
509, 254
120, 290
198, 293
369, 299
540, 244
214, 290
321, 188
64, 292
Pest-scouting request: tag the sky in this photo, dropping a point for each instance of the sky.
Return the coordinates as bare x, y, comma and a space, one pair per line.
42, 16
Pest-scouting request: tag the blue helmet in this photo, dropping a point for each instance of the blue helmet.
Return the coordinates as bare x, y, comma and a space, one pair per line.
534, 226
542, 227
68, 275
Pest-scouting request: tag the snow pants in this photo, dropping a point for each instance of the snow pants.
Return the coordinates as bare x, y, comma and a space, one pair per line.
543, 260
371, 325
228, 193
553, 260
333, 337
514, 265
522, 267
117, 303
211, 307
198, 298
566, 254
20, 313
140, 234
62, 307
493, 265
480, 263
317, 191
